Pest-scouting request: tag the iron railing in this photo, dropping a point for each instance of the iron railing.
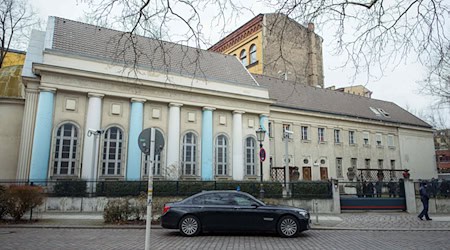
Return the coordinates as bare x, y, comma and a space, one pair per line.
369, 189
435, 188
116, 188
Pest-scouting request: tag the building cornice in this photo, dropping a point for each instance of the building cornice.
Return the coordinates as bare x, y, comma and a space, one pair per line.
251, 27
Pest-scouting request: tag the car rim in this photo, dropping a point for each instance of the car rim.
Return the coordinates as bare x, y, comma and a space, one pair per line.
189, 226
288, 227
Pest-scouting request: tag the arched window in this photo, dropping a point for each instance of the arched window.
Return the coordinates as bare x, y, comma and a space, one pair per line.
189, 161
250, 152
157, 166
243, 57
252, 54
112, 151
221, 155
66, 150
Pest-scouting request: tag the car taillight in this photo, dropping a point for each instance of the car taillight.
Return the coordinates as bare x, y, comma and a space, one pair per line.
166, 208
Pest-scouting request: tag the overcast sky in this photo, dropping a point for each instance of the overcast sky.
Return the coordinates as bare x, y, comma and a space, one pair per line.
398, 85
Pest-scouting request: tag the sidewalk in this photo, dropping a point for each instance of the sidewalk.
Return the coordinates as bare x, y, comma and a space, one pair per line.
375, 221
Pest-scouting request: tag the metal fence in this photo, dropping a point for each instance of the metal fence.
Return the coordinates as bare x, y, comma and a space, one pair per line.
385, 175
81, 188
369, 189
435, 188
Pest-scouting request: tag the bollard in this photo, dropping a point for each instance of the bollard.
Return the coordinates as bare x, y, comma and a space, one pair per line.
317, 212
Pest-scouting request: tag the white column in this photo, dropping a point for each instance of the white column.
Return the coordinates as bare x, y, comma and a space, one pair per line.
26, 139
93, 121
238, 147
173, 142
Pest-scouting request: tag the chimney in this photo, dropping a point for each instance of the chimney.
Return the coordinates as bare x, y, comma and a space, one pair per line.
310, 27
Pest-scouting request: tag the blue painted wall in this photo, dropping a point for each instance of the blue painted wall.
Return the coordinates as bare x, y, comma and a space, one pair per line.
207, 145
134, 153
42, 137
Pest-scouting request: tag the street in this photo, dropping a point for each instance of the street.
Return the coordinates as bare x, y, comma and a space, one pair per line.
35, 238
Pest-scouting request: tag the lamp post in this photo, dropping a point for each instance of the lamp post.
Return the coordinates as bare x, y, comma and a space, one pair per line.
260, 135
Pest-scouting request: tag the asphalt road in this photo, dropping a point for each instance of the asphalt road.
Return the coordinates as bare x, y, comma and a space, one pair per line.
32, 238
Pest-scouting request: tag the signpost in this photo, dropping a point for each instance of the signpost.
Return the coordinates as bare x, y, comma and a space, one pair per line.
149, 140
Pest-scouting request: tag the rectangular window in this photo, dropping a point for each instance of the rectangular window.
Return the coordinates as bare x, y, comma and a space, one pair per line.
392, 164
390, 140
321, 134
288, 128
337, 136
379, 139
380, 164
304, 133
367, 163
353, 162
270, 129
339, 168
351, 137
366, 140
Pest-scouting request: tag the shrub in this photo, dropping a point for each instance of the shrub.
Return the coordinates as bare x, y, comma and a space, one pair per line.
70, 188
121, 188
122, 210
3, 207
20, 199
312, 190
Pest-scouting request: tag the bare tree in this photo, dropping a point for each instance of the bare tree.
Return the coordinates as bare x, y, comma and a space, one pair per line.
437, 83
16, 19
370, 35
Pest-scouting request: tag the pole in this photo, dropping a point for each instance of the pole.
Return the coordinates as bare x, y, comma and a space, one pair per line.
286, 161
261, 188
150, 189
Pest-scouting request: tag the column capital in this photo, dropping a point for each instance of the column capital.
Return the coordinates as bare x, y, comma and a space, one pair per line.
264, 115
208, 109
175, 104
238, 112
46, 89
90, 94
138, 100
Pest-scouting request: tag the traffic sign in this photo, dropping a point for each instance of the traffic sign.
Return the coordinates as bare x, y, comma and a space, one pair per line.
262, 154
144, 140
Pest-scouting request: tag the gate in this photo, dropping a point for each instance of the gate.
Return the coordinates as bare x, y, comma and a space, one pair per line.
373, 189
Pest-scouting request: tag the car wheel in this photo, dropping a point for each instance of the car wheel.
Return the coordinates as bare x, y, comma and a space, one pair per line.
189, 226
288, 226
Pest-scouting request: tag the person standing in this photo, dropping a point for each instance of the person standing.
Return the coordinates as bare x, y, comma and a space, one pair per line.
424, 197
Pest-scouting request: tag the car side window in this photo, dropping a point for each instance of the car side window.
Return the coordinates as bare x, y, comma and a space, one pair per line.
217, 199
199, 200
242, 200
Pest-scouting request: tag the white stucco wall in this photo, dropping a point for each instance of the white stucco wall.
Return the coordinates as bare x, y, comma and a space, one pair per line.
417, 153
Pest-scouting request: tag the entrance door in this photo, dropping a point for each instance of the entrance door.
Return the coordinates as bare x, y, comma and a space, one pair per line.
323, 173
307, 173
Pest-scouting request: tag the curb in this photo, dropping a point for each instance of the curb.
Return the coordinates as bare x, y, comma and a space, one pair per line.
379, 229
77, 227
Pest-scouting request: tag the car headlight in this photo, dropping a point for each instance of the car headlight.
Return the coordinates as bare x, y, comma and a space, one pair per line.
304, 214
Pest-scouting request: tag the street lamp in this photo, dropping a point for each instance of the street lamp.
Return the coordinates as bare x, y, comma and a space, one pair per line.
260, 135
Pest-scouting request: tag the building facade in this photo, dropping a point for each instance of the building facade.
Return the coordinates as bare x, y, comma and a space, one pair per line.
277, 46
76, 86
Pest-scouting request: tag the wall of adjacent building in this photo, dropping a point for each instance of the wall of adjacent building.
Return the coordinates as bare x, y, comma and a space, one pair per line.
11, 113
417, 153
289, 48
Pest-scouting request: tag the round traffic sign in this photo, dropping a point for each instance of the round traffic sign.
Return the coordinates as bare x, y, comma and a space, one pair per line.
145, 139
262, 154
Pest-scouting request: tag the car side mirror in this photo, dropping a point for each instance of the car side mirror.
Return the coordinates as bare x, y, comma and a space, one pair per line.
255, 205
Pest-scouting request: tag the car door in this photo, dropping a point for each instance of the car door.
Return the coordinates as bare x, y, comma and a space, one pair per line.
250, 215
216, 212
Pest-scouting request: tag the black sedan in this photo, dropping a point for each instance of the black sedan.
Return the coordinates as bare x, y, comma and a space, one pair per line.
232, 211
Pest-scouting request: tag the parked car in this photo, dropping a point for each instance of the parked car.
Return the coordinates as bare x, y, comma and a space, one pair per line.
232, 211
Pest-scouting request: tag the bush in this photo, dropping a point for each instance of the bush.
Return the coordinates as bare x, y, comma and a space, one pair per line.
120, 188
312, 190
20, 199
3, 207
70, 188
122, 210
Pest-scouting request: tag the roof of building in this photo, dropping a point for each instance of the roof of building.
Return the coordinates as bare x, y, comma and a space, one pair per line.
109, 45
297, 96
